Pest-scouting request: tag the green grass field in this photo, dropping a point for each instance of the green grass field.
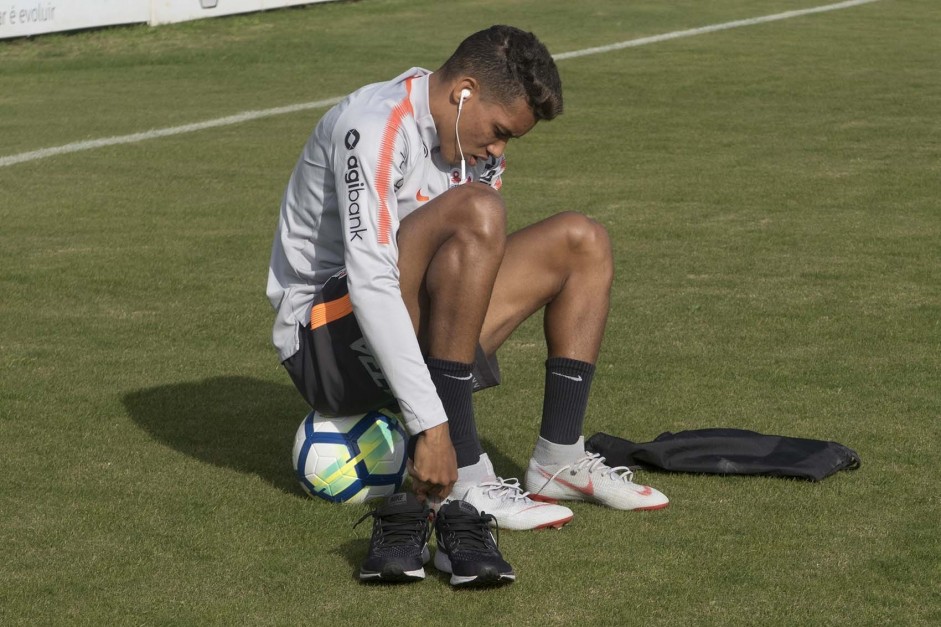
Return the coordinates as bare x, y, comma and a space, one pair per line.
772, 193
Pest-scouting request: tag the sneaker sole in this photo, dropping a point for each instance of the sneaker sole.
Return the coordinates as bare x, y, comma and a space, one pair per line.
392, 575
519, 523
552, 524
555, 524
549, 499
487, 577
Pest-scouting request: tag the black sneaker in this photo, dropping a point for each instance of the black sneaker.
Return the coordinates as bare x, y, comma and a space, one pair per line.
466, 548
398, 549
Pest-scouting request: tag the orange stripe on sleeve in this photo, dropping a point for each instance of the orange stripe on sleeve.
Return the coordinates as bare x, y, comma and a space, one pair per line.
384, 169
328, 312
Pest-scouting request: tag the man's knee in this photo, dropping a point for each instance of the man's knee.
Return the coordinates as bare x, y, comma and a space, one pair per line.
586, 238
480, 215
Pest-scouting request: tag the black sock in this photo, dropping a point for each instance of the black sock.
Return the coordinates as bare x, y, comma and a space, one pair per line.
455, 387
568, 383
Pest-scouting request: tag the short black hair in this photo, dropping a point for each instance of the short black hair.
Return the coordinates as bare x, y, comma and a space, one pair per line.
510, 63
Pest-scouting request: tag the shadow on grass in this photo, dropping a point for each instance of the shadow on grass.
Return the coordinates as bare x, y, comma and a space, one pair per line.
241, 423
353, 551
234, 422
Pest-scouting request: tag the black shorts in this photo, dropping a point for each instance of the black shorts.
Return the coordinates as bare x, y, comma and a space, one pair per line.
333, 368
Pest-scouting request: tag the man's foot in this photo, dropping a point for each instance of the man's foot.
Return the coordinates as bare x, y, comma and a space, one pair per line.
467, 549
398, 549
512, 508
589, 479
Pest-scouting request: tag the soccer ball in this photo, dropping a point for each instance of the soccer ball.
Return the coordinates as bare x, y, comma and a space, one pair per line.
350, 459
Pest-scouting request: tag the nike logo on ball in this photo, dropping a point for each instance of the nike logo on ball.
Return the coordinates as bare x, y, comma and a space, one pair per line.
576, 379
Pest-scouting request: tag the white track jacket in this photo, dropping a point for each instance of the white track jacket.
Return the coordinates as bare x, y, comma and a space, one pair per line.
371, 161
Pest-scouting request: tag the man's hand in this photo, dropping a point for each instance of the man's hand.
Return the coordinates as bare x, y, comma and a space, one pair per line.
434, 469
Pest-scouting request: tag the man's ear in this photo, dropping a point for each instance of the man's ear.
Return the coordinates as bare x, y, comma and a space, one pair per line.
464, 89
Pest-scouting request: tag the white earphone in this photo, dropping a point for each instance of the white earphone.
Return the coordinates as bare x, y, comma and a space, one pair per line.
465, 94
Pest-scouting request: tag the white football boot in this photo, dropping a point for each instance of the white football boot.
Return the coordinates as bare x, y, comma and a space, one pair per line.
506, 501
590, 479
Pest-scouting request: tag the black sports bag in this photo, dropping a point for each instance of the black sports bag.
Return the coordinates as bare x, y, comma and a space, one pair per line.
728, 452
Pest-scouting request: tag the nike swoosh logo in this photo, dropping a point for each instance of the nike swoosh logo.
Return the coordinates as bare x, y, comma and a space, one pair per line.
588, 490
647, 491
467, 378
576, 379
421, 197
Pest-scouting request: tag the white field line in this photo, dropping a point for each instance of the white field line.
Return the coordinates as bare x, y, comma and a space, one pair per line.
643, 41
329, 102
134, 138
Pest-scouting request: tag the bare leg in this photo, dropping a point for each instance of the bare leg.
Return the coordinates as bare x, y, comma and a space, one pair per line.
563, 263
463, 281
449, 253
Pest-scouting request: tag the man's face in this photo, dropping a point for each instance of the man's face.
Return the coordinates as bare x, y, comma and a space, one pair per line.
486, 126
